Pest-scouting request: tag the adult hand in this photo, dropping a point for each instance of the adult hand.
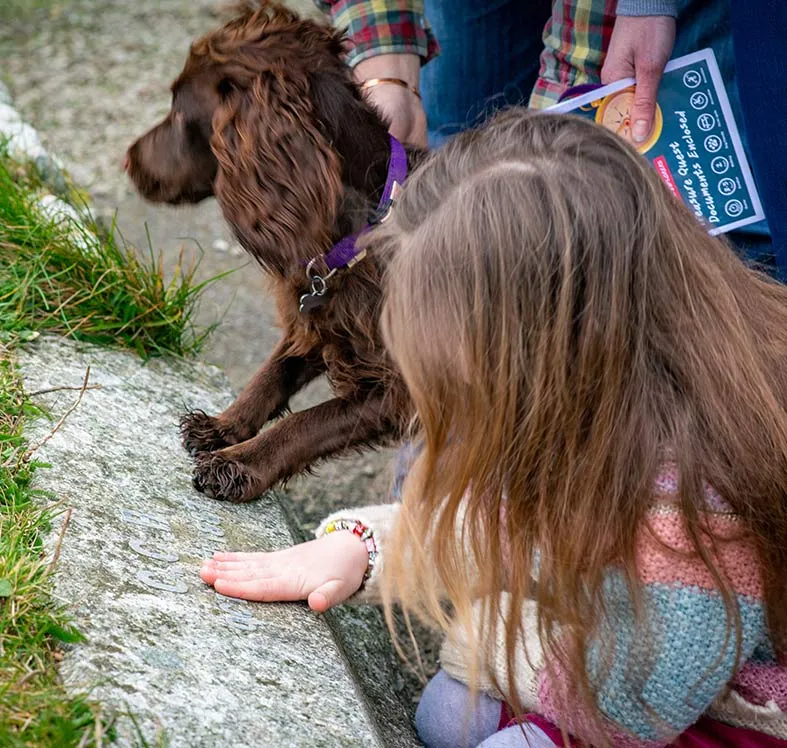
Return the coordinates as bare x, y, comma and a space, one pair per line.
640, 48
402, 108
325, 572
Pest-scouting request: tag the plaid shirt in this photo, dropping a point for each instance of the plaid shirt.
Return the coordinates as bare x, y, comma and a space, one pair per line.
378, 27
575, 38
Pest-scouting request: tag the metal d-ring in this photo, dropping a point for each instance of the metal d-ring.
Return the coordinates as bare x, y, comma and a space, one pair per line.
310, 268
319, 283
319, 286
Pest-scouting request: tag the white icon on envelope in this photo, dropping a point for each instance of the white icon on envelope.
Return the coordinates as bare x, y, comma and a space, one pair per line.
713, 143
699, 100
727, 186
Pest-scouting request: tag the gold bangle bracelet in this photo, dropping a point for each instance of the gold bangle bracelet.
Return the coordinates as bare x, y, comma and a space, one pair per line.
372, 82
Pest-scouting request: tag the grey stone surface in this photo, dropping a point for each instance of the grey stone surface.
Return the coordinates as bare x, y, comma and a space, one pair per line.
201, 669
91, 75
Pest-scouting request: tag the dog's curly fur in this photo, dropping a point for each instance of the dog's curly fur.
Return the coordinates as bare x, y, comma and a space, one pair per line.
266, 117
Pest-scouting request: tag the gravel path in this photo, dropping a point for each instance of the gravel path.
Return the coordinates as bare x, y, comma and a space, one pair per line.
91, 75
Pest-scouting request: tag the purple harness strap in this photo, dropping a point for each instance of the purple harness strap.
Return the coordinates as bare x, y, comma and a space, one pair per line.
344, 254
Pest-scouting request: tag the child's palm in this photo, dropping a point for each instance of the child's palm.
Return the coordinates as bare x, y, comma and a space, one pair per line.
325, 572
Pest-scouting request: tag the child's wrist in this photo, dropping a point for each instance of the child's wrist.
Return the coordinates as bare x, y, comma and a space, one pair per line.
366, 543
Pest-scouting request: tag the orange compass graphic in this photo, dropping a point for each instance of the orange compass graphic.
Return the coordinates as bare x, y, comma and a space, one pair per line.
614, 113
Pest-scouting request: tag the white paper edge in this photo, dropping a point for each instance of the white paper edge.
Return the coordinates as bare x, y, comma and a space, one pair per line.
737, 144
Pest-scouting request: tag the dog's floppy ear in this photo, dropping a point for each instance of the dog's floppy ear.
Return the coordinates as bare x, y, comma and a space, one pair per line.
279, 181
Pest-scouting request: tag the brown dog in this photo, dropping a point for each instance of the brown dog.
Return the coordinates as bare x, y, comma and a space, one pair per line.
266, 117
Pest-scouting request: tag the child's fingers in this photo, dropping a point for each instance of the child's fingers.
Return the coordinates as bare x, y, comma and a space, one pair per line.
236, 556
241, 575
327, 595
208, 574
260, 590
230, 565
236, 571
261, 563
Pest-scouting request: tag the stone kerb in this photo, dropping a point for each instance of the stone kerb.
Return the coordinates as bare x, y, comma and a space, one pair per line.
186, 662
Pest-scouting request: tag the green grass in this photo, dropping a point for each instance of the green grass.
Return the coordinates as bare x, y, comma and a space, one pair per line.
108, 296
34, 709
11, 10
103, 295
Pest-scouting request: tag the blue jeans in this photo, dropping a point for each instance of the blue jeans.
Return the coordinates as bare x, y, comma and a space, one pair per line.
449, 717
490, 59
759, 30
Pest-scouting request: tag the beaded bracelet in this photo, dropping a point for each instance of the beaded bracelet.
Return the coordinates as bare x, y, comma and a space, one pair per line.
360, 530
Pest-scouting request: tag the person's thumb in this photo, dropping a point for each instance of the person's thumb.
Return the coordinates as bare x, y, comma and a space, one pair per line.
643, 110
616, 67
327, 595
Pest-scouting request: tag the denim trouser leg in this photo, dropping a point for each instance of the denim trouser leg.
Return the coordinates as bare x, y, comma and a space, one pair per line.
448, 717
489, 59
759, 30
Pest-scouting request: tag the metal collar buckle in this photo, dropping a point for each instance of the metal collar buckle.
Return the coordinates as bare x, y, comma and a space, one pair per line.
384, 211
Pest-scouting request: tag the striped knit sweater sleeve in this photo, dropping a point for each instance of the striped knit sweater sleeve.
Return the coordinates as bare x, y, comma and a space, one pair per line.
665, 678
660, 680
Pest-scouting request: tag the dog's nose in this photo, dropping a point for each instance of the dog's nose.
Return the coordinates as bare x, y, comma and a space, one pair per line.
126, 161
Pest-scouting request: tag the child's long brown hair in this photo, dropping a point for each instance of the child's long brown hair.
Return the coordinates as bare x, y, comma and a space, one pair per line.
563, 323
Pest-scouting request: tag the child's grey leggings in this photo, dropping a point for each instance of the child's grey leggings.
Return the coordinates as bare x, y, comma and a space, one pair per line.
448, 717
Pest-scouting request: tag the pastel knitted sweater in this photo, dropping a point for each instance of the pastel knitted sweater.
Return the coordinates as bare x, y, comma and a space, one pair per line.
653, 690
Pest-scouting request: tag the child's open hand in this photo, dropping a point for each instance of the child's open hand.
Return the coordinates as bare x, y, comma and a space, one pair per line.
325, 572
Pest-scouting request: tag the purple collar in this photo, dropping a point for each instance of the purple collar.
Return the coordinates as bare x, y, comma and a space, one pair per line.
344, 254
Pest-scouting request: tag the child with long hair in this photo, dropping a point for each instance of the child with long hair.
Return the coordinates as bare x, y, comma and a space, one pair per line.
597, 516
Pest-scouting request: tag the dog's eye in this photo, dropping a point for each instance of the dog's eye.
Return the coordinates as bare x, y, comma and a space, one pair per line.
225, 87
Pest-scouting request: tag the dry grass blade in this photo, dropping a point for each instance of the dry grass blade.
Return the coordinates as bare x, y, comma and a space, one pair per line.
56, 554
65, 415
47, 390
85, 738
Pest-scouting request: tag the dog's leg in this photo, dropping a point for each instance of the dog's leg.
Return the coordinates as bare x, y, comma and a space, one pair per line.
265, 397
245, 471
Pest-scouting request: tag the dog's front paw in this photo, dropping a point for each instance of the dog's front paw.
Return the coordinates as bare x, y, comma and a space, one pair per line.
203, 433
220, 477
